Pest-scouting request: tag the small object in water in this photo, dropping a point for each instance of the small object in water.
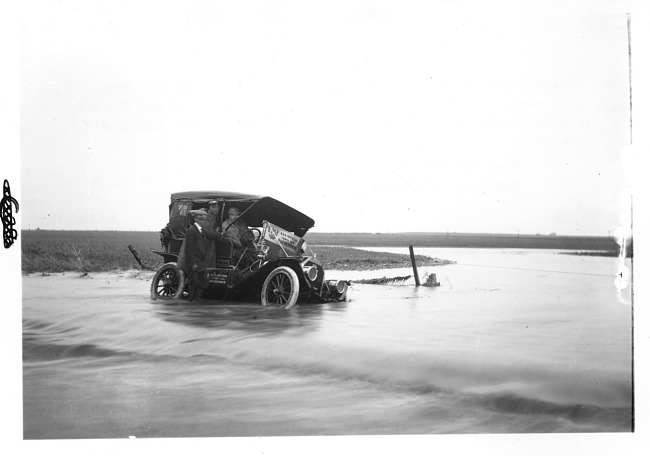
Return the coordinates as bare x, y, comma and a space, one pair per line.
431, 281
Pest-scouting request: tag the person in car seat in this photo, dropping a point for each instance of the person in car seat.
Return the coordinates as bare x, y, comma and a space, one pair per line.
214, 212
233, 227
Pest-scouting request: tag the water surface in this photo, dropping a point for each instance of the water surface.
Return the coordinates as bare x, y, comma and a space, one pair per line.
512, 341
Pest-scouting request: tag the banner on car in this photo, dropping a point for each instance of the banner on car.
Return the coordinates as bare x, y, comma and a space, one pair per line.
280, 242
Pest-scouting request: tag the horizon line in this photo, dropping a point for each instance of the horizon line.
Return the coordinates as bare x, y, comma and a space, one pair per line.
371, 233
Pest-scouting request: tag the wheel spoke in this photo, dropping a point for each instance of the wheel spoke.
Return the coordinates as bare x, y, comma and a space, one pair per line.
166, 289
167, 283
280, 288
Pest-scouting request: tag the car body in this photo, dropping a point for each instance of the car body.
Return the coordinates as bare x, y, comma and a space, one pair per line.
284, 271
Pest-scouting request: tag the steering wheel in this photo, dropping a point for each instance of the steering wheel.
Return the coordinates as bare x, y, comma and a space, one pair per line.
251, 237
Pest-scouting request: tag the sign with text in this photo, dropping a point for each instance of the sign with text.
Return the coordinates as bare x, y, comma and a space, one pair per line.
279, 242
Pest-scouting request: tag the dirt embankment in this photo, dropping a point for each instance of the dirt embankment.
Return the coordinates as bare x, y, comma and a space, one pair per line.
350, 259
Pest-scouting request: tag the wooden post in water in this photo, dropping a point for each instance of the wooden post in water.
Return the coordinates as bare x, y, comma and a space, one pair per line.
415, 268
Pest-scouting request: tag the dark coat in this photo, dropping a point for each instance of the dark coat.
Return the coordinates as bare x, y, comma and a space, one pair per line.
196, 247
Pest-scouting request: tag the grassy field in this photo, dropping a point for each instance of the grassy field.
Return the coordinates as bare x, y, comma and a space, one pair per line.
96, 251
88, 251
102, 251
586, 243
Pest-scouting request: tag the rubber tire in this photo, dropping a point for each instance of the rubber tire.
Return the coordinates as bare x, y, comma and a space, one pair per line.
177, 276
281, 278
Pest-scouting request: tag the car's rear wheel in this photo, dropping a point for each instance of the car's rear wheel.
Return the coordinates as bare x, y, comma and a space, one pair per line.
281, 288
168, 282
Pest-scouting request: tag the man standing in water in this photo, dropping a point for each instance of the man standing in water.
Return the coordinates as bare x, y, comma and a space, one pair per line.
214, 216
196, 252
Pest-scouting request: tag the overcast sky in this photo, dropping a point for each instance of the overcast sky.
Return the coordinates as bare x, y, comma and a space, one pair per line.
366, 115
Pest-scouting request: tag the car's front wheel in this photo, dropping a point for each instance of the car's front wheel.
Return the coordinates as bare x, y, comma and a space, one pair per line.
168, 283
281, 288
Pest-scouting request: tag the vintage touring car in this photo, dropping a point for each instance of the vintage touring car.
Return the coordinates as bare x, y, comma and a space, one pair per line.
284, 269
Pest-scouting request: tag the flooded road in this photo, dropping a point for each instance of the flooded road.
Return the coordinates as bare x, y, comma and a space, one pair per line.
512, 341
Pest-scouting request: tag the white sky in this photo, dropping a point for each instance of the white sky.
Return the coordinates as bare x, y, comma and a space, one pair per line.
366, 115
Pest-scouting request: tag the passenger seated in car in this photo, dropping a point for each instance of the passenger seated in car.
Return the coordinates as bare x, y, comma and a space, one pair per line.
233, 228
214, 213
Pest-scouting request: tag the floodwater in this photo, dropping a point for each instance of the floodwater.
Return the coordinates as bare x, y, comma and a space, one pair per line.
512, 341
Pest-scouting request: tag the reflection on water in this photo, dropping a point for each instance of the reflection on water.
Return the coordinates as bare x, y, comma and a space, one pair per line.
490, 350
252, 318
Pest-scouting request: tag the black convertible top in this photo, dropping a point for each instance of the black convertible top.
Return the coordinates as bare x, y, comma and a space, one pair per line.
255, 209
205, 196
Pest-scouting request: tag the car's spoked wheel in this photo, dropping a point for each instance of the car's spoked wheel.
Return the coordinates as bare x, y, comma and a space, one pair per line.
281, 288
168, 283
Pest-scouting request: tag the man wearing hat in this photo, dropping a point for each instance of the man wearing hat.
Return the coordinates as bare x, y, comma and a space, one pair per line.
214, 216
214, 212
233, 227
197, 245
